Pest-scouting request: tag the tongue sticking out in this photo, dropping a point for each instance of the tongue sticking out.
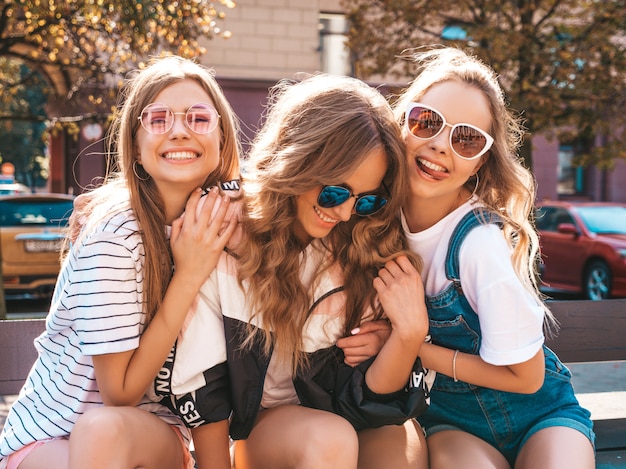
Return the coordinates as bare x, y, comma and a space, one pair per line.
431, 169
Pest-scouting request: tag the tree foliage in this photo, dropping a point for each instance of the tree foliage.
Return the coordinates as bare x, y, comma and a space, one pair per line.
97, 36
562, 63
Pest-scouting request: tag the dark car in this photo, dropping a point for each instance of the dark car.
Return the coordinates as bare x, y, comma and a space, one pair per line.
583, 246
32, 229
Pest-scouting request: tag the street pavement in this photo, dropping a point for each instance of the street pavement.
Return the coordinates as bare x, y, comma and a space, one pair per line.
601, 388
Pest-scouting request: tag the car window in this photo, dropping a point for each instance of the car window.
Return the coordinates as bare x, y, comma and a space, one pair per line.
604, 220
543, 217
35, 213
562, 216
549, 218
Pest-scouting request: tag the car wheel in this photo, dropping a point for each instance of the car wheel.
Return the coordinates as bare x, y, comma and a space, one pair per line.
597, 282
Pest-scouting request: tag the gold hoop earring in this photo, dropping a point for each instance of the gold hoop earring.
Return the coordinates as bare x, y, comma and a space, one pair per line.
135, 163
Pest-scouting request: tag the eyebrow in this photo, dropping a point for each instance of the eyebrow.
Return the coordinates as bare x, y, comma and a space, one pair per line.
372, 191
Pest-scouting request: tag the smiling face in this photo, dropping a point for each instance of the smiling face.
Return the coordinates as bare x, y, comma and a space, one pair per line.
437, 175
313, 221
179, 160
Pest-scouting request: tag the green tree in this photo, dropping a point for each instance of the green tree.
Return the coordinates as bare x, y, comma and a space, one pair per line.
67, 40
562, 63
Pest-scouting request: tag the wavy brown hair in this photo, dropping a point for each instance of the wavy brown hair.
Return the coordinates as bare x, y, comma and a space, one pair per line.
317, 132
122, 188
505, 185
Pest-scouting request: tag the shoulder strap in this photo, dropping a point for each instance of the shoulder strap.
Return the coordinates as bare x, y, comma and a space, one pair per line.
478, 216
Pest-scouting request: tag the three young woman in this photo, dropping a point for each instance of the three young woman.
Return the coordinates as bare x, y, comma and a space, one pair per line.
319, 256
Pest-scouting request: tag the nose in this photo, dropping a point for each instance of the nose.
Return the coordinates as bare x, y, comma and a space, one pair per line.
345, 210
441, 141
179, 127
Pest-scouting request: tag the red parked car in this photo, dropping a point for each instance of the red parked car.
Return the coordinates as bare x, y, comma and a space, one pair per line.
583, 246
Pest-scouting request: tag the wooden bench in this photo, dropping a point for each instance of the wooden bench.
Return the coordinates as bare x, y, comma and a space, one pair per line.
590, 332
17, 353
595, 331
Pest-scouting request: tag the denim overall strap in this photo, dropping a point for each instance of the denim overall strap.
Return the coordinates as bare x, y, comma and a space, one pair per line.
478, 216
453, 322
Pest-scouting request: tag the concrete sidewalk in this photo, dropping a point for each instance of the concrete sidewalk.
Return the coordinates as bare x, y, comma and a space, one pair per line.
600, 387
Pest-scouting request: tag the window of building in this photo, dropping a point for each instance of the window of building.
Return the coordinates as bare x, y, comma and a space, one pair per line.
335, 56
570, 177
454, 32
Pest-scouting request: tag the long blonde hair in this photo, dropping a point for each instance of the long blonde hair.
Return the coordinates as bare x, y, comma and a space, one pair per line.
505, 185
124, 189
317, 132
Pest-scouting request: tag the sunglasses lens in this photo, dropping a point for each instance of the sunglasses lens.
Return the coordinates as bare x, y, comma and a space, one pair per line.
157, 119
467, 142
369, 204
331, 196
423, 122
201, 118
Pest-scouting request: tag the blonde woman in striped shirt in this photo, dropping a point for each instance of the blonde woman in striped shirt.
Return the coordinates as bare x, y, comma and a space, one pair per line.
118, 305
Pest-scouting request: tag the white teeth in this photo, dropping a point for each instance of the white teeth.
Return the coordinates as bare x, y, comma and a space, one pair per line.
180, 155
431, 165
324, 217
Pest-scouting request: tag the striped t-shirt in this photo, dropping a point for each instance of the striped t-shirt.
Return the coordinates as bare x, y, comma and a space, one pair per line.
96, 309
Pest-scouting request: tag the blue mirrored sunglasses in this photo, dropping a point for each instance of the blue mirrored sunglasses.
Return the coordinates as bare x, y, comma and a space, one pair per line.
365, 205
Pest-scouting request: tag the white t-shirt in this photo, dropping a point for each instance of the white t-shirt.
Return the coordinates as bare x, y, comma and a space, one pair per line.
221, 295
511, 321
96, 309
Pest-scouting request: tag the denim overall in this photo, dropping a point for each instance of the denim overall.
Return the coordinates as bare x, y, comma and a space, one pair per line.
503, 419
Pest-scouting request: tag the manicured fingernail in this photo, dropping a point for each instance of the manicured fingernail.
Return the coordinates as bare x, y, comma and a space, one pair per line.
355, 331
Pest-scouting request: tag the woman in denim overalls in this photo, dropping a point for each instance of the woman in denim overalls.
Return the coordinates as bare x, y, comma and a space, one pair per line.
501, 399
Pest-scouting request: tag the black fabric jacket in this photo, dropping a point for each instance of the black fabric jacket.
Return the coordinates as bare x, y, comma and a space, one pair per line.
326, 384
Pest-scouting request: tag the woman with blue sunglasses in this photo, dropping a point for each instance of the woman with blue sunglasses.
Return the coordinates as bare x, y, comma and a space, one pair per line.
501, 399
320, 253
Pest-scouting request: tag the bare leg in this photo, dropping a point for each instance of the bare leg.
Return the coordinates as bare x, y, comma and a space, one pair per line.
555, 448
290, 437
397, 446
451, 449
117, 437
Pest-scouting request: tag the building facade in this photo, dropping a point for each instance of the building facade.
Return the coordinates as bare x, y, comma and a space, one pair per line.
272, 40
